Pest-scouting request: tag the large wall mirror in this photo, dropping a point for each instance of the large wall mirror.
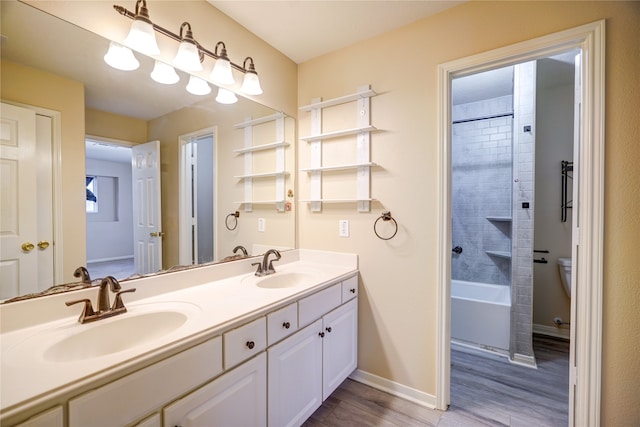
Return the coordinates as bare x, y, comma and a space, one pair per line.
205, 188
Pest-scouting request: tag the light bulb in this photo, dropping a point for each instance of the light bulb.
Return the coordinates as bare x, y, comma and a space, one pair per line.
188, 57
197, 86
251, 84
121, 57
164, 73
142, 37
226, 96
221, 73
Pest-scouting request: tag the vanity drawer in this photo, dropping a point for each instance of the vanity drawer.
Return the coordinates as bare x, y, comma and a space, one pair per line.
349, 288
282, 323
244, 342
315, 306
134, 396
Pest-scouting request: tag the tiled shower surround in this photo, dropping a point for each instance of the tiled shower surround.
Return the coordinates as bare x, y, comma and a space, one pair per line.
482, 191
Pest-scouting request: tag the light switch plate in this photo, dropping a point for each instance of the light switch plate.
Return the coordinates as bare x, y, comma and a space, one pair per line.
343, 228
261, 225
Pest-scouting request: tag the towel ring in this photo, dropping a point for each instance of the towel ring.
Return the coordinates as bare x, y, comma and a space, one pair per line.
385, 216
235, 216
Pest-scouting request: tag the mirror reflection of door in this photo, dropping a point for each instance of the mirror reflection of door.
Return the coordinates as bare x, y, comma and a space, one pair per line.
197, 182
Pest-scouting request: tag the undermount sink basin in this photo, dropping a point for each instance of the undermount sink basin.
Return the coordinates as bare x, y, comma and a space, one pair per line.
282, 280
74, 342
121, 333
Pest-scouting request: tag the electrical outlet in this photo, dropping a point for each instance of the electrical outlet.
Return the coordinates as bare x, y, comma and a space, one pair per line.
261, 225
343, 228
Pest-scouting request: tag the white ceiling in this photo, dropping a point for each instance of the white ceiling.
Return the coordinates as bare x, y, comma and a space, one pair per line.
305, 29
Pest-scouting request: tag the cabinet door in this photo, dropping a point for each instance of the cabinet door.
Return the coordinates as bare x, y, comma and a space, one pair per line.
295, 377
340, 346
50, 418
238, 398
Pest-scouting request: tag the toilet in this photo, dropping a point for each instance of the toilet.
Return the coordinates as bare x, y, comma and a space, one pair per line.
564, 266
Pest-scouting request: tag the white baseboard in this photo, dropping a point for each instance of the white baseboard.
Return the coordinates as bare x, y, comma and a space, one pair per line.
394, 388
524, 360
117, 258
551, 331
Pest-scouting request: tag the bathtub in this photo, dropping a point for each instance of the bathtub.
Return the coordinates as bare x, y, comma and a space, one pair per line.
481, 314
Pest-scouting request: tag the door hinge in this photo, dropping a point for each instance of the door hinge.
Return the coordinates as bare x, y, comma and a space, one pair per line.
574, 376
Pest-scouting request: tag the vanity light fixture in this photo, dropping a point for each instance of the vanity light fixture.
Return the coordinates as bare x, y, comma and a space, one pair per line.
197, 86
222, 68
164, 73
222, 71
141, 36
188, 56
226, 96
121, 57
251, 83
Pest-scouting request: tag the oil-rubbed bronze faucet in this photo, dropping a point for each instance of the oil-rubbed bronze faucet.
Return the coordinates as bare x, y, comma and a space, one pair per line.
104, 310
83, 274
266, 267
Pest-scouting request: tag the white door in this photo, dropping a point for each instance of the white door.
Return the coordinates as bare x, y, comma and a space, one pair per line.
295, 377
340, 346
147, 227
236, 399
18, 202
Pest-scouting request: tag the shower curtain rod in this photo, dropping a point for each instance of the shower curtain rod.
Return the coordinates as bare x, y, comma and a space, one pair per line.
475, 119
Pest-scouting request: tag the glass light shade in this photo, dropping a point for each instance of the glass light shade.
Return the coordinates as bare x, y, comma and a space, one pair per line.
197, 86
164, 73
251, 84
121, 57
221, 73
142, 37
226, 96
188, 57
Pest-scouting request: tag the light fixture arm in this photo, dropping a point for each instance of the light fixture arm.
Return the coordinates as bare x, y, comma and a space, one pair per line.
141, 11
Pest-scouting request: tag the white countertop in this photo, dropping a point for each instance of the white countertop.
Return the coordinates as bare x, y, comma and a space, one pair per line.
211, 307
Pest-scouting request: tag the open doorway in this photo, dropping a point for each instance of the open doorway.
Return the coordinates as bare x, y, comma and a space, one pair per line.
197, 197
109, 209
586, 307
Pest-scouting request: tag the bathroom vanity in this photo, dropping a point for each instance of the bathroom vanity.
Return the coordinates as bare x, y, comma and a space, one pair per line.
214, 345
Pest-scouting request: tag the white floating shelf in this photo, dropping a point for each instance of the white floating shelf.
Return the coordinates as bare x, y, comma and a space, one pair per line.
339, 167
499, 254
337, 101
260, 120
499, 218
262, 175
338, 200
260, 202
262, 147
338, 133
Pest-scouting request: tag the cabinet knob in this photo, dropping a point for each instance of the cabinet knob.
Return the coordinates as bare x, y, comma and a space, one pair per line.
321, 334
286, 325
352, 290
251, 344
328, 329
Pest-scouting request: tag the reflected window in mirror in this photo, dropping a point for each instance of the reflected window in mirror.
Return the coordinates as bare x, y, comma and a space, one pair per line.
92, 194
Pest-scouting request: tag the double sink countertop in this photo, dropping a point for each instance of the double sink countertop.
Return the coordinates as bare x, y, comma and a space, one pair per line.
47, 353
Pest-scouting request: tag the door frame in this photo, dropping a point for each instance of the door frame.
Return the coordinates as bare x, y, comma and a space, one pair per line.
586, 349
56, 185
184, 229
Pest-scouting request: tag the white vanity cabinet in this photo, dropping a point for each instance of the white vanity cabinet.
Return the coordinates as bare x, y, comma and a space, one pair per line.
51, 418
137, 395
307, 367
237, 398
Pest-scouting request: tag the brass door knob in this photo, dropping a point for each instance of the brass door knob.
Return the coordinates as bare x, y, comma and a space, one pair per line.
27, 247
156, 234
43, 244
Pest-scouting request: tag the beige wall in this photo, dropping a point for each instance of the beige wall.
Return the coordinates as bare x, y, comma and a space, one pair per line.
398, 298
114, 126
277, 72
39, 88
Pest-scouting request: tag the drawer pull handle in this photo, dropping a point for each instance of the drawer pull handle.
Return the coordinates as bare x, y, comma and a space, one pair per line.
352, 290
251, 344
328, 329
321, 334
286, 325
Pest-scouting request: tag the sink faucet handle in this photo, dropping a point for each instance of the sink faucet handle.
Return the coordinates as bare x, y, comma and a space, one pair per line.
259, 270
87, 310
117, 303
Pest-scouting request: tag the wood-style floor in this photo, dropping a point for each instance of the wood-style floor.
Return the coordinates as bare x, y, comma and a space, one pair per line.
486, 390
